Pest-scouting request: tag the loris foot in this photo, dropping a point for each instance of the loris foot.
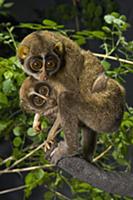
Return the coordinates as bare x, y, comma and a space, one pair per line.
59, 152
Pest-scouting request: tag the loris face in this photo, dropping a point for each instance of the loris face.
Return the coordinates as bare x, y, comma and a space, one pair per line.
41, 54
37, 96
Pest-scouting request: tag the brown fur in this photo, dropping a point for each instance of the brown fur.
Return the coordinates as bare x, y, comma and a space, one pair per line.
84, 93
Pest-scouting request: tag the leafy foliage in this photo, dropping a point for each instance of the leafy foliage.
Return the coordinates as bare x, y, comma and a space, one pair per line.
86, 13
16, 126
4, 7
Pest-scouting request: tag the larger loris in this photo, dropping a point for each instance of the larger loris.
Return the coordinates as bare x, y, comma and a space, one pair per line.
84, 93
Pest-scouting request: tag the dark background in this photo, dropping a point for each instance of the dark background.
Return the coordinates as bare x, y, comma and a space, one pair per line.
27, 11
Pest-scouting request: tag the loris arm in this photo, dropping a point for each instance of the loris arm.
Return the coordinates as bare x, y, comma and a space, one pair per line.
36, 123
52, 133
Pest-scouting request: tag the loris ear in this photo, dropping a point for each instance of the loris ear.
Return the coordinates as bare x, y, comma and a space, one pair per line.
59, 48
22, 52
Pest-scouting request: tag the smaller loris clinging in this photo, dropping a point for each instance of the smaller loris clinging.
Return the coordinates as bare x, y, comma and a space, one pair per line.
40, 98
37, 96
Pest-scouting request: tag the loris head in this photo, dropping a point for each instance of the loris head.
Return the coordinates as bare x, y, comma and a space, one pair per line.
42, 54
37, 96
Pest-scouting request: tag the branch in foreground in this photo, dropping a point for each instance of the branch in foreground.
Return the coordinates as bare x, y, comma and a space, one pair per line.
111, 182
114, 58
12, 189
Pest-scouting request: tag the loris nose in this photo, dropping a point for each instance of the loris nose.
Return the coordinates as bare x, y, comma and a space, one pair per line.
43, 73
52, 102
43, 76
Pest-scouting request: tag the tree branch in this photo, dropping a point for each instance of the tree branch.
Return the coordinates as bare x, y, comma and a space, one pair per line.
113, 58
13, 189
102, 154
112, 182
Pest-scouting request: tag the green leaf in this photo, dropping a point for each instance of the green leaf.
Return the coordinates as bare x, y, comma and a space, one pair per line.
127, 123
106, 29
4, 124
84, 33
62, 134
17, 153
49, 22
98, 34
8, 5
31, 26
44, 124
48, 195
31, 132
3, 99
79, 38
19, 77
17, 141
8, 163
115, 14
8, 75
33, 179
119, 22
8, 86
80, 41
109, 19
1, 2
105, 64
123, 17
17, 131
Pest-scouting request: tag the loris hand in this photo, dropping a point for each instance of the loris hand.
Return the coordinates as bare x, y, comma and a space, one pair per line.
48, 143
52, 134
61, 151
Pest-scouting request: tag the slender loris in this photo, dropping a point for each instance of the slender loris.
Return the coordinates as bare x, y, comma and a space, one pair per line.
84, 93
38, 97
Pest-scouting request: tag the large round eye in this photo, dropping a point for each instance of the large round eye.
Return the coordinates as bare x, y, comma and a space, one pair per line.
35, 64
51, 62
43, 89
37, 101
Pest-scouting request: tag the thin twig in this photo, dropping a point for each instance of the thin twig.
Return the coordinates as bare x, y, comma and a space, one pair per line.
102, 154
12, 37
76, 17
26, 156
18, 170
57, 193
6, 160
113, 58
15, 113
13, 189
24, 186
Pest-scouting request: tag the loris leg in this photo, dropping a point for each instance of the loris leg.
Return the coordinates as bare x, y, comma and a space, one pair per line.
89, 143
52, 133
69, 123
